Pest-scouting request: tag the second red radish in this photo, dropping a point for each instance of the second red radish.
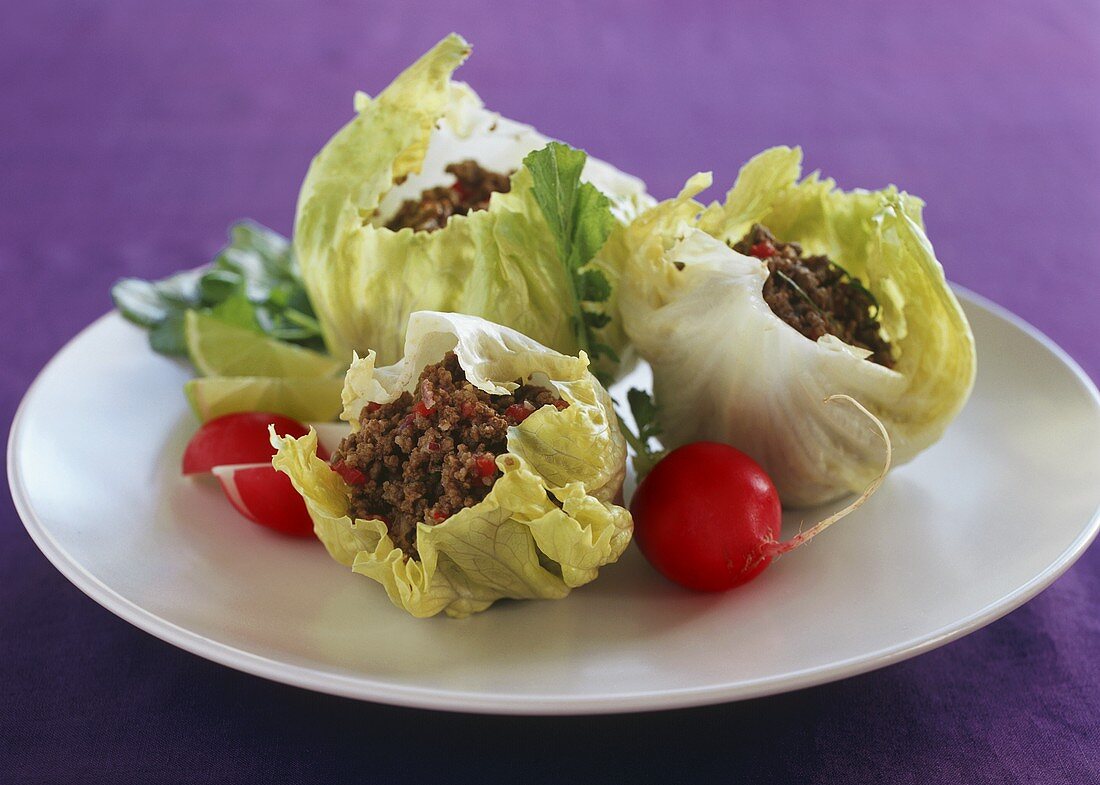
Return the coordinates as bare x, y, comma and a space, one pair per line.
238, 438
265, 496
237, 450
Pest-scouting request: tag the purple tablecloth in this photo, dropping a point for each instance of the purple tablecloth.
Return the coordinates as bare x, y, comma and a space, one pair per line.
134, 132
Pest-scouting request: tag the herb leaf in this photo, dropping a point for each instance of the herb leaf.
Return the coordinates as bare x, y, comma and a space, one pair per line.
218, 285
166, 337
238, 311
253, 283
595, 320
580, 219
603, 350
645, 413
140, 302
593, 286
578, 214
646, 418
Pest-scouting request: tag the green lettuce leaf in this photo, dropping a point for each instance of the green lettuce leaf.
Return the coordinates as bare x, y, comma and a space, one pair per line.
726, 368
505, 263
547, 525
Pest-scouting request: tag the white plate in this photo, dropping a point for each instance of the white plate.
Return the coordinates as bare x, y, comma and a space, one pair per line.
970, 530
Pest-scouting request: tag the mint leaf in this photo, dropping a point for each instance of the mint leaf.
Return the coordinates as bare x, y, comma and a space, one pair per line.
261, 257
181, 289
218, 285
237, 310
140, 302
167, 336
253, 282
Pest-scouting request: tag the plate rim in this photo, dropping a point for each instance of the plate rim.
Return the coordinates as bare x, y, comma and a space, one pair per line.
534, 704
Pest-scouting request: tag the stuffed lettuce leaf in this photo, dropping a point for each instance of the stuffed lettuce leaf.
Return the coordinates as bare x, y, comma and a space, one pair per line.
546, 523
727, 368
501, 260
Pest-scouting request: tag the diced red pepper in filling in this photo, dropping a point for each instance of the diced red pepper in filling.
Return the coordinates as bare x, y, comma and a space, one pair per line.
486, 465
423, 410
518, 413
762, 250
351, 475
373, 407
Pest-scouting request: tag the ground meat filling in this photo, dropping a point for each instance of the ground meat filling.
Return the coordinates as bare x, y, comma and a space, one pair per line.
471, 191
426, 456
815, 296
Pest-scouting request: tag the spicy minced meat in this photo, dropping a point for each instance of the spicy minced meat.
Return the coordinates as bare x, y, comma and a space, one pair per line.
815, 296
425, 456
471, 191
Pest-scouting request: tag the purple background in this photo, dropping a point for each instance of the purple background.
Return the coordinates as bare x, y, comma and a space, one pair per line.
133, 132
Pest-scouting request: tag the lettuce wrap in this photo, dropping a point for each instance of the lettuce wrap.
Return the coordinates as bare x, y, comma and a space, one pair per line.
548, 523
726, 368
504, 263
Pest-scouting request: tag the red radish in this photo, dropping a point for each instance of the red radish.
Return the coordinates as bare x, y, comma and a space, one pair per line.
265, 496
708, 517
238, 438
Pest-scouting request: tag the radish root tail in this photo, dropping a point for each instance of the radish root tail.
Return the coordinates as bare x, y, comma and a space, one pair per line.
779, 548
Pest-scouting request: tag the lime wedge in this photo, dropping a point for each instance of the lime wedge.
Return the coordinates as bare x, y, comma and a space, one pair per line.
304, 399
221, 349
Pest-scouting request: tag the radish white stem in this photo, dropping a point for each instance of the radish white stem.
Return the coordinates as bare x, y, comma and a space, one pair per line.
779, 548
